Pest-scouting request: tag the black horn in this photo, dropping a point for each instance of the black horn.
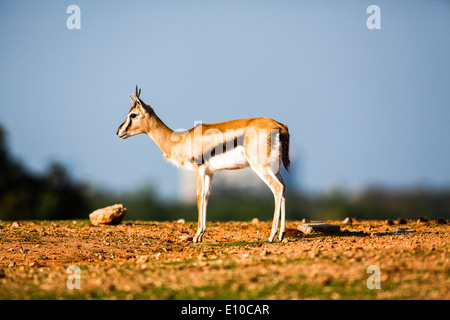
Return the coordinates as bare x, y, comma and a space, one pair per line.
138, 92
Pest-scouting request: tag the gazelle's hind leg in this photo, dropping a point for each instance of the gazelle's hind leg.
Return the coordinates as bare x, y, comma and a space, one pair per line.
283, 208
276, 184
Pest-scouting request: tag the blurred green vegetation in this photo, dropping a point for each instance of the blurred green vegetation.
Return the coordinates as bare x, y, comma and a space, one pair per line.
55, 195
25, 195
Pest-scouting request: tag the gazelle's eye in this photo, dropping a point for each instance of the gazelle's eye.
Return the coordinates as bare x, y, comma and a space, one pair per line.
133, 115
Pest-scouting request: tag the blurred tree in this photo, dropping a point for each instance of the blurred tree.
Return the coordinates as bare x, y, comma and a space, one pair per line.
24, 195
55, 195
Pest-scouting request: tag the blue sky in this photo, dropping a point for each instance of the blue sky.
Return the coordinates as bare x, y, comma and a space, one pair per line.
363, 106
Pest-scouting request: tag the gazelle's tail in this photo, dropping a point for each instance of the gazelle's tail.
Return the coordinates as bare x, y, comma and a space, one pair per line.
284, 138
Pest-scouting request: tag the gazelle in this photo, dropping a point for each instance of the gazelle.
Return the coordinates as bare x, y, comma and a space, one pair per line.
208, 148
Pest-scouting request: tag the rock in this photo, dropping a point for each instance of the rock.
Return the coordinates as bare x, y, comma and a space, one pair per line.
15, 224
185, 238
422, 220
202, 256
265, 253
141, 259
400, 221
108, 215
182, 221
389, 222
255, 221
318, 227
348, 221
441, 221
314, 253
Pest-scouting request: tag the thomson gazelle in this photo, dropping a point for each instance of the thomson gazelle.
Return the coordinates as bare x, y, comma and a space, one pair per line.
259, 143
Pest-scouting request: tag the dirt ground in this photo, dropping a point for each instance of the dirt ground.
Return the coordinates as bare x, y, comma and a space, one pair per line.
156, 260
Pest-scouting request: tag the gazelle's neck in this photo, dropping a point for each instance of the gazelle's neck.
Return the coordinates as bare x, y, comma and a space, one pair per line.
160, 133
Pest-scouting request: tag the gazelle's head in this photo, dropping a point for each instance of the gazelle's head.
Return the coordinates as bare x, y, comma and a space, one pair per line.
137, 118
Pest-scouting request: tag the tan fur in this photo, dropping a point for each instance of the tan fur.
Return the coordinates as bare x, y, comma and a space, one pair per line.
193, 148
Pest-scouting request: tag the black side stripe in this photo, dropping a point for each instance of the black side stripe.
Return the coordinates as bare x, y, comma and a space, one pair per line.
219, 149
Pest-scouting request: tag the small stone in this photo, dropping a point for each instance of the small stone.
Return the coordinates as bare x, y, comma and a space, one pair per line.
348, 221
422, 220
255, 221
108, 215
15, 224
202, 256
401, 221
182, 221
185, 238
318, 227
441, 221
389, 222
315, 252
141, 259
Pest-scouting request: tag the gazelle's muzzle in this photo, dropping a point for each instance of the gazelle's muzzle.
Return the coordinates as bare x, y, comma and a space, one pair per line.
121, 134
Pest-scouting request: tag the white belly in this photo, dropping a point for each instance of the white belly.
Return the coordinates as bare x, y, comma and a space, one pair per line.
229, 160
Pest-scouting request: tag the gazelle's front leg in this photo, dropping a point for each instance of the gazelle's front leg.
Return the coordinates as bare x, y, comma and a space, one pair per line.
203, 178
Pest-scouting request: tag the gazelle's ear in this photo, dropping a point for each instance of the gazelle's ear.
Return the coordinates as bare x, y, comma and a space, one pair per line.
142, 106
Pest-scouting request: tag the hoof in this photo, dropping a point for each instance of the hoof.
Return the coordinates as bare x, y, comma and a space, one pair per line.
196, 240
